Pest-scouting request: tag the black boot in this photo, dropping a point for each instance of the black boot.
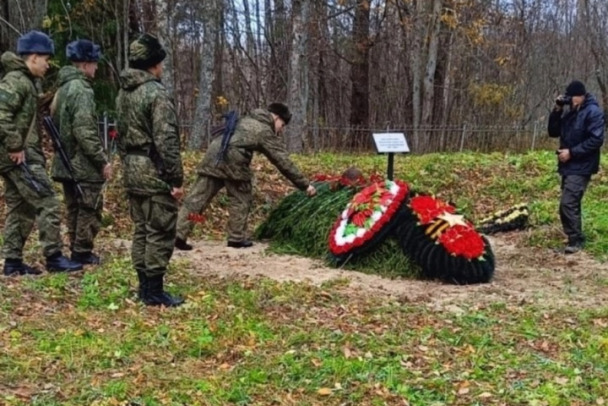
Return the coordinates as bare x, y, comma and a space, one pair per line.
14, 267
240, 244
85, 258
182, 245
156, 295
142, 291
59, 263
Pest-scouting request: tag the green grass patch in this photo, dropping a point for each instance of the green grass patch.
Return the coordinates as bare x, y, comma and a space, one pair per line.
240, 342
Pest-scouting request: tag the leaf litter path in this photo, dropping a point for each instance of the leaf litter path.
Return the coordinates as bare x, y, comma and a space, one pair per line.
533, 276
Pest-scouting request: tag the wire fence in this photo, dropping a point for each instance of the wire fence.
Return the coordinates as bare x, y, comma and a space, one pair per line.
421, 140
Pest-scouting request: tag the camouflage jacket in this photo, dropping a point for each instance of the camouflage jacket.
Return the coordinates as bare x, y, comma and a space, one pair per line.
148, 138
74, 114
18, 107
253, 133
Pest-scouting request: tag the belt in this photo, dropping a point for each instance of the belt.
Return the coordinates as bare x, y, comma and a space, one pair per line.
139, 150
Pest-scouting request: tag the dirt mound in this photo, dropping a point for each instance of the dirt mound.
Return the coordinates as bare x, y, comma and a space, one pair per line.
523, 275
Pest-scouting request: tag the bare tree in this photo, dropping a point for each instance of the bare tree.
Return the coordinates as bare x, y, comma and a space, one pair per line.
359, 74
298, 76
203, 113
18, 17
164, 25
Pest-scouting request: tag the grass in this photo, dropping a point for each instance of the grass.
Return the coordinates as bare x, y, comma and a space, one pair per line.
85, 340
239, 341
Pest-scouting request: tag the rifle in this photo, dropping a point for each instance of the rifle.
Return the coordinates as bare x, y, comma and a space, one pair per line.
54, 133
230, 120
29, 177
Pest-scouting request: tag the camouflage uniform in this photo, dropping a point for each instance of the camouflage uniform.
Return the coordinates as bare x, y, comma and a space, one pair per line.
74, 113
150, 149
254, 132
25, 204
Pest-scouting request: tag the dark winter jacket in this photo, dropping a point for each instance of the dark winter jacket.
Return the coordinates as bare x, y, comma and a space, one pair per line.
582, 132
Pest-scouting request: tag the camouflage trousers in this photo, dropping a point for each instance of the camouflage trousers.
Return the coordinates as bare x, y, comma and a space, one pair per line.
83, 214
204, 190
154, 218
30, 198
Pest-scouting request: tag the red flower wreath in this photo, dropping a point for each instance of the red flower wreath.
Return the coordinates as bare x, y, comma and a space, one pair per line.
427, 208
463, 241
455, 234
366, 214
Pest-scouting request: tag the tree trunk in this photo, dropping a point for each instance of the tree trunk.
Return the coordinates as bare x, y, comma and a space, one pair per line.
202, 115
279, 68
359, 113
447, 86
17, 18
417, 56
164, 33
298, 77
431, 65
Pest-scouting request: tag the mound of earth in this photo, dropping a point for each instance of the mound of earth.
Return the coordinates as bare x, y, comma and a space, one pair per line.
523, 275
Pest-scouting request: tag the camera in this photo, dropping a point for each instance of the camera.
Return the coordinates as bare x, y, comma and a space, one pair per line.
563, 100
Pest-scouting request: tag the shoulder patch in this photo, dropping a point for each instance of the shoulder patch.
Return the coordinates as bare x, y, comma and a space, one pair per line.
6, 96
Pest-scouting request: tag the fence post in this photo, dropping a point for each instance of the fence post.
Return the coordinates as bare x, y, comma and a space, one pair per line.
534, 135
462, 136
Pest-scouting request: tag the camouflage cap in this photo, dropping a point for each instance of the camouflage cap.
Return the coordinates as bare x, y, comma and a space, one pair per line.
145, 52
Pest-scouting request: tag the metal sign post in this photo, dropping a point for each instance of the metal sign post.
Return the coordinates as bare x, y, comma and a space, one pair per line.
390, 143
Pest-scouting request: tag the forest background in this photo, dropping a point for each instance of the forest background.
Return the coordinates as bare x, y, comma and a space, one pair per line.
444, 71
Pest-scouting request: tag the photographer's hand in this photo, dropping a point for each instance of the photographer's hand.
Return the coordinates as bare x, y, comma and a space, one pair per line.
564, 155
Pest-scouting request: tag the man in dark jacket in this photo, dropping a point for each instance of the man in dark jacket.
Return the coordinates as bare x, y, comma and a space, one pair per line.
259, 131
73, 110
580, 129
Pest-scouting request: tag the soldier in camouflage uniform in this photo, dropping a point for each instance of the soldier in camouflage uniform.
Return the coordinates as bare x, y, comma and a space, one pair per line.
73, 111
28, 191
149, 146
259, 131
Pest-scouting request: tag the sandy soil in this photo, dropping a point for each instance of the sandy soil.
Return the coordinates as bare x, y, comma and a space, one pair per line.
533, 276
